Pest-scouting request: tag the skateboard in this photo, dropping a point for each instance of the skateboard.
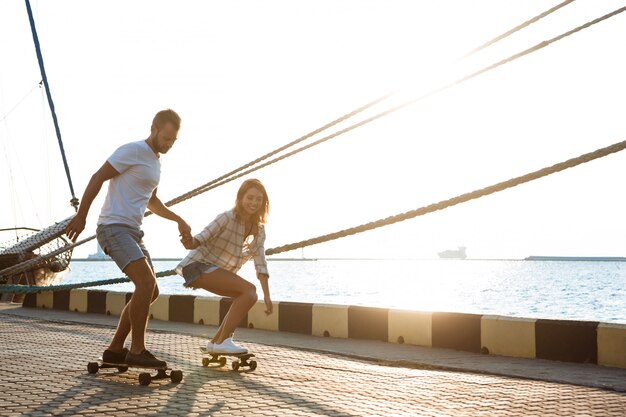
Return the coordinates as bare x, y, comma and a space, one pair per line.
144, 377
240, 360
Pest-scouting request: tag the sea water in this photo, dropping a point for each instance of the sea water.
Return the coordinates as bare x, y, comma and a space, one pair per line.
569, 290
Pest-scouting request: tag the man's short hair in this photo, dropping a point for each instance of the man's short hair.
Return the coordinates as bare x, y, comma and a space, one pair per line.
165, 116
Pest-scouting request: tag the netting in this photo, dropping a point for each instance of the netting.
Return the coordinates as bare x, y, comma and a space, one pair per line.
32, 251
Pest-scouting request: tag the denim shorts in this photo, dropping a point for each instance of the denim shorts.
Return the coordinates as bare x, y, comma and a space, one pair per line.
192, 271
123, 243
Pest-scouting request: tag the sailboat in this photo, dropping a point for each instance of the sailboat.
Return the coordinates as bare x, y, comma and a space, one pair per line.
37, 257
30, 250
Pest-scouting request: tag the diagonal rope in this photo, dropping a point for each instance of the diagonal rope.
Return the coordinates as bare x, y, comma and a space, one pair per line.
275, 151
19, 228
44, 78
40, 261
519, 27
488, 68
219, 181
570, 163
19, 103
20, 289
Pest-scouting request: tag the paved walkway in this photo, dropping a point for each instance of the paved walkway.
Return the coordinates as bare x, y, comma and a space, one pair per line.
296, 376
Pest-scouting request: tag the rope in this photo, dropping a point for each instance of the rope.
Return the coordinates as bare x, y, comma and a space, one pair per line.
219, 181
210, 184
519, 27
19, 228
19, 103
38, 239
455, 200
40, 260
74, 200
21, 289
511, 58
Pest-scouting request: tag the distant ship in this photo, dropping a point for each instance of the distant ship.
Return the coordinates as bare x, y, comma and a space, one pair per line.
99, 255
454, 254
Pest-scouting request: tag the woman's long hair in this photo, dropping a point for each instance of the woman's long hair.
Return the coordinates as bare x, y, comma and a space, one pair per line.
261, 215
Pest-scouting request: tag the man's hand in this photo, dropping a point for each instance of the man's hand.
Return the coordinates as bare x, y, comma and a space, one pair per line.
184, 229
75, 227
77, 224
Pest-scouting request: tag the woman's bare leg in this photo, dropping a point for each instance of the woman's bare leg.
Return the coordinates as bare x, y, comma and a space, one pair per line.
227, 284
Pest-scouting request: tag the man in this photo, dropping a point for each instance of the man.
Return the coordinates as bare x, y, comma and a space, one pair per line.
133, 172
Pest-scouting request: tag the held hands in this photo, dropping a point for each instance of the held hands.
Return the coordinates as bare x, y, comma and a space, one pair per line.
183, 228
185, 235
188, 241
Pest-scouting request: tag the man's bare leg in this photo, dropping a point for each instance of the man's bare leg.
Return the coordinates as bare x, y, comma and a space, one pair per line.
123, 326
134, 317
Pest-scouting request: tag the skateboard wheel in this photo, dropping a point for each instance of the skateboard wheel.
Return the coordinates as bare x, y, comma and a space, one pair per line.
205, 361
122, 368
252, 365
222, 361
145, 378
92, 367
235, 365
176, 376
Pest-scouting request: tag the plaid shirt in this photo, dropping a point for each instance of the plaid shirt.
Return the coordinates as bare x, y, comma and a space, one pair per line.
223, 243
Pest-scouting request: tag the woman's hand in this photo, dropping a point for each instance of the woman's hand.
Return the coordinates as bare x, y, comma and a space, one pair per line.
269, 307
264, 278
188, 241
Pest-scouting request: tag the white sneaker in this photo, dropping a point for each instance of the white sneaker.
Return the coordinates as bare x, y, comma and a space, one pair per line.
227, 346
209, 347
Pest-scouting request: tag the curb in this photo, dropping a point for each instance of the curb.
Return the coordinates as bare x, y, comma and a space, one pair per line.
559, 340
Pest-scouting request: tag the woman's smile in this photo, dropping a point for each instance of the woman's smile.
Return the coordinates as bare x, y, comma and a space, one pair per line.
252, 200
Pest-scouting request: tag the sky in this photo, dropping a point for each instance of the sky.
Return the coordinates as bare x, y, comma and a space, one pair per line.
249, 76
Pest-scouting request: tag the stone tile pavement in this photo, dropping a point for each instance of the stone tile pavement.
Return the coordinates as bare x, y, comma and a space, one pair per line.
44, 354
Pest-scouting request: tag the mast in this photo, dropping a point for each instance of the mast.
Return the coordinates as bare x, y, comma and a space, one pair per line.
74, 200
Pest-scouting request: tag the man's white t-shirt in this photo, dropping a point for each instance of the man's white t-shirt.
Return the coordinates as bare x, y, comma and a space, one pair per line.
140, 171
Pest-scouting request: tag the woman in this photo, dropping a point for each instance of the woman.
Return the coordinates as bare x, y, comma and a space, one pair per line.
219, 251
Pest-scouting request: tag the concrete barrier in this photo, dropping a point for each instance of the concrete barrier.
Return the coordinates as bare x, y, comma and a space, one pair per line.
329, 320
97, 301
568, 341
508, 336
458, 331
612, 345
78, 301
181, 308
160, 308
564, 340
45, 299
295, 317
411, 327
115, 303
206, 310
257, 319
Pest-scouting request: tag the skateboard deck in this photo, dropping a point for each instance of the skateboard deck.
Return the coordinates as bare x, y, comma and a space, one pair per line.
144, 377
240, 360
